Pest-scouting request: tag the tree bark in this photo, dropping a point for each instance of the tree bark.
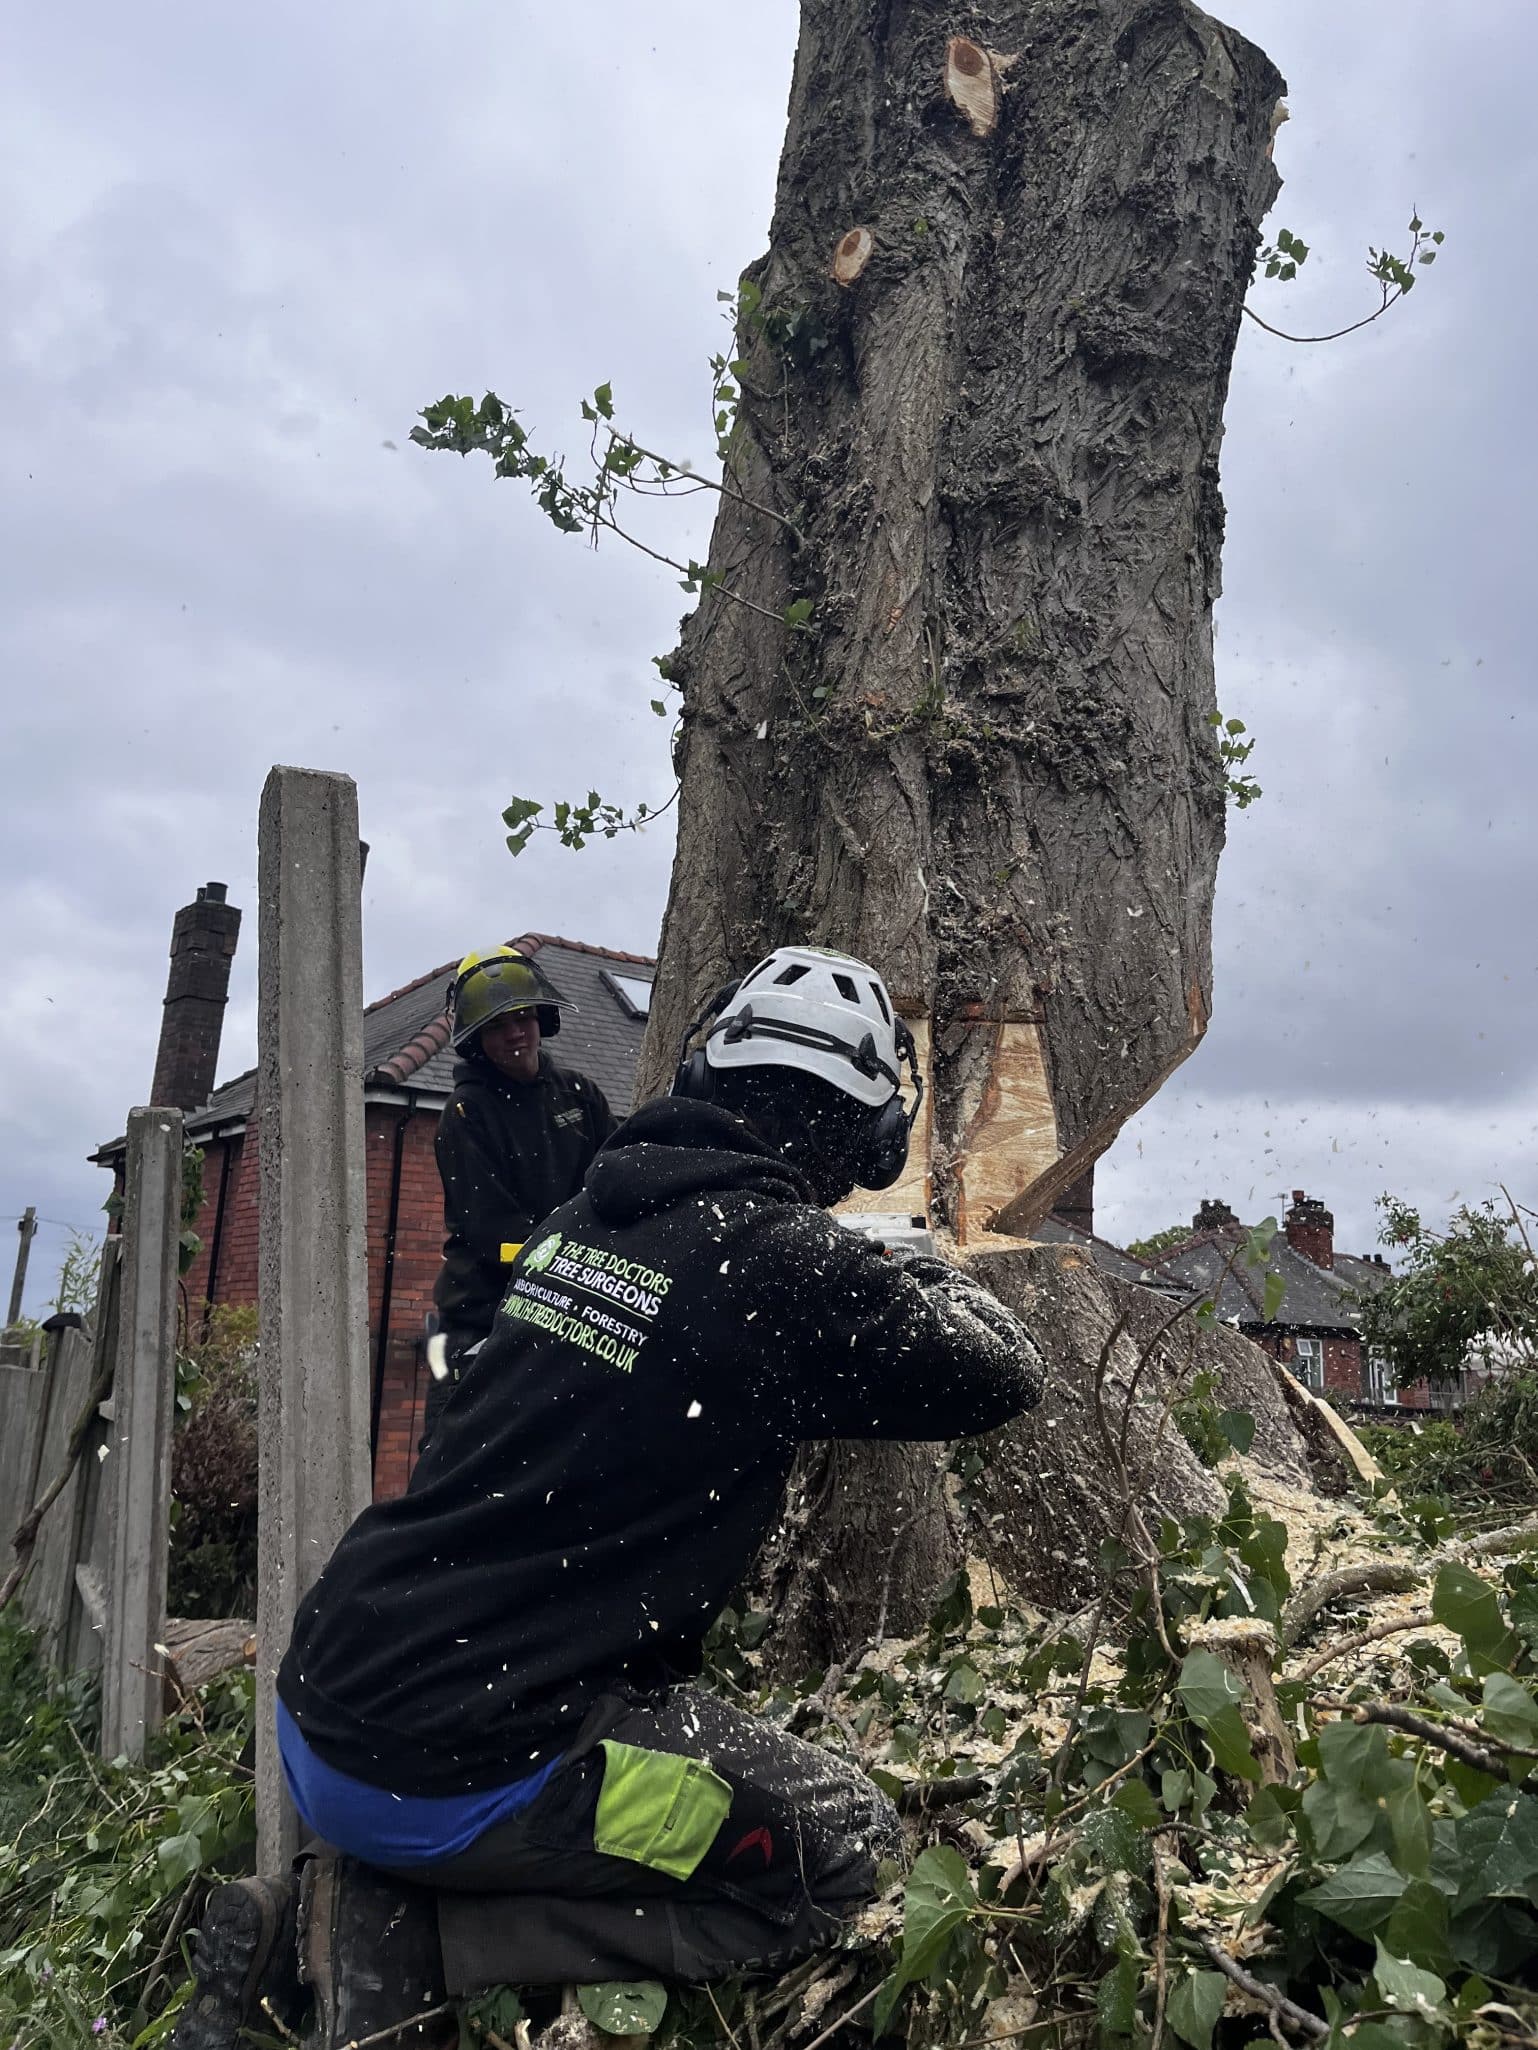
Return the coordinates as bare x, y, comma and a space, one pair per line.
984, 763
981, 387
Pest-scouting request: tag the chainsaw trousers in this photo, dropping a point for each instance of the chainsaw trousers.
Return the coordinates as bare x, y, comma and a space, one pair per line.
682, 1839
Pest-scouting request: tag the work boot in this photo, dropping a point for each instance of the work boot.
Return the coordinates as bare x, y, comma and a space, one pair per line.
245, 1959
369, 1951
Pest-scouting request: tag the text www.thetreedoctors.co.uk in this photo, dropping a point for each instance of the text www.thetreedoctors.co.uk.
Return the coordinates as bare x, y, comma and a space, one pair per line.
561, 1324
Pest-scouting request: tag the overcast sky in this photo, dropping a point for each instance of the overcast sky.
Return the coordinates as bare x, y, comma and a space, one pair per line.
240, 249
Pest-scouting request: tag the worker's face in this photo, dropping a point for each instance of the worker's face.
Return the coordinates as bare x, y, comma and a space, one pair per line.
511, 1044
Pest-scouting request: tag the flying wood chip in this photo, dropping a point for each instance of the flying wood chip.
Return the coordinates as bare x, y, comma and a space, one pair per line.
852, 255
972, 80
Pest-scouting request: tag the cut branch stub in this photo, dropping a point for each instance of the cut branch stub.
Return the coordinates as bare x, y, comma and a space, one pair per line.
972, 78
852, 255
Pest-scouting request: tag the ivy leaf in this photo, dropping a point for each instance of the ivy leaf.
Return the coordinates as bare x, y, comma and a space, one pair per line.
1498, 1844
1466, 1605
1410, 1821
1339, 1819
1194, 2007
179, 1856
939, 1898
965, 1684
1212, 1693
603, 399
1134, 1799
1276, 1288
1510, 1710
1175, 1789
1238, 1426
1116, 1998
624, 2007
1418, 1926
1361, 1896
1406, 1986
798, 613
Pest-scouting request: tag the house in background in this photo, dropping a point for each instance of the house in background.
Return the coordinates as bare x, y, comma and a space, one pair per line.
1315, 1329
408, 1074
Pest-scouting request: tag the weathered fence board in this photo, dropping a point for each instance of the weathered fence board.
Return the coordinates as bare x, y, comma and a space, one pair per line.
138, 1471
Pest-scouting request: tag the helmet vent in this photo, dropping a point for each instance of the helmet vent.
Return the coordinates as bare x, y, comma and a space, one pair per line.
881, 1005
844, 984
793, 973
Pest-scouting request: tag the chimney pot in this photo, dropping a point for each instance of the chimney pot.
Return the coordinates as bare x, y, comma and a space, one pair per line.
211, 893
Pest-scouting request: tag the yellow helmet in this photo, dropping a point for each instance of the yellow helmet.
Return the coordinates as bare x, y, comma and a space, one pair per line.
499, 979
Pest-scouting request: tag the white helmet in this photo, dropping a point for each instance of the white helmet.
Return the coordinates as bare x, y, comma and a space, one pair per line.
823, 1013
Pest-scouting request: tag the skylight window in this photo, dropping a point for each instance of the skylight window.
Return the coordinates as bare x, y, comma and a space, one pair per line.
635, 996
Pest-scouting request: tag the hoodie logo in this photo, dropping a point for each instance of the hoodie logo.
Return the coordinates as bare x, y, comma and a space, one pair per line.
539, 1259
756, 1840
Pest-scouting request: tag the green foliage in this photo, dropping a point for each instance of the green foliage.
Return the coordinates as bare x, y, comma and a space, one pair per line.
1466, 1296
212, 1569
96, 1859
1394, 275
1233, 752
1284, 258
1211, 1433
624, 2007
79, 1276
1148, 1250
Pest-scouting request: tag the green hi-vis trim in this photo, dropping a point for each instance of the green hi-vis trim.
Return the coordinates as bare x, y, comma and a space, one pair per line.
658, 1809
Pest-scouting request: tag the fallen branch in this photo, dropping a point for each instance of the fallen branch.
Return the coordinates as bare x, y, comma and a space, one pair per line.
1280, 2006
921, 1797
1379, 1577
1477, 1755
1418, 1619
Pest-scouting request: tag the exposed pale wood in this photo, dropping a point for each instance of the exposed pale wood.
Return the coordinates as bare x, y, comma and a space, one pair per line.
1008, 1138
852, 255
912, 1194
197, 1650
970, 84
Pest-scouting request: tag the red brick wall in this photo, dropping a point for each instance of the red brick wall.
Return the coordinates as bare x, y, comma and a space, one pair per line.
418, 1254
1343, 1368
418, 1251
235, 1281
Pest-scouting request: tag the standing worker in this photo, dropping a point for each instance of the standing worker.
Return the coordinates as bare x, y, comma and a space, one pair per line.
485, 1705
515, 1139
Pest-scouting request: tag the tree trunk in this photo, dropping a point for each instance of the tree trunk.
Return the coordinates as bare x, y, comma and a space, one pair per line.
981, 400
989, 461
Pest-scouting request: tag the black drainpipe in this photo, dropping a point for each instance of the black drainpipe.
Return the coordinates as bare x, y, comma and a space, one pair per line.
386, 1286
218, 1239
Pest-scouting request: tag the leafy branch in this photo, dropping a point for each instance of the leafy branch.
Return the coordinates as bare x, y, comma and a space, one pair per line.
1394, 275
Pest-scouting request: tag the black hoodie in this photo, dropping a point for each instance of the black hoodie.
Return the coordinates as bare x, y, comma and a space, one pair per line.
507, 1152
607, 1468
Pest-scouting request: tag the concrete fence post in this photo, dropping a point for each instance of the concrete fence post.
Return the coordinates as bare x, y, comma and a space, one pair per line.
313, 1288
138, 1476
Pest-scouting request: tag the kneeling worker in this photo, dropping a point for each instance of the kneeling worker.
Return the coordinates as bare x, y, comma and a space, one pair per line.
482, 1705
514, 1140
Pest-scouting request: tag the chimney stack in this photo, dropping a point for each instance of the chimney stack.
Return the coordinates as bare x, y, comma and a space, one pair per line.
1076, 1205
202, 948
1310, 1230
1212, 1216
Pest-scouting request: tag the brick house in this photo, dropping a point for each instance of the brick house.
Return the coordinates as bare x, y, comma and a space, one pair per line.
408, 1070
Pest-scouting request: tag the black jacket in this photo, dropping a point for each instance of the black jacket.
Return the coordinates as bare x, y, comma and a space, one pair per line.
613, 1457
508, 1153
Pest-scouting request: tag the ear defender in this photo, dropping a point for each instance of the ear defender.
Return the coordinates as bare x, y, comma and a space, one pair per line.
694, 1075
883, 1151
